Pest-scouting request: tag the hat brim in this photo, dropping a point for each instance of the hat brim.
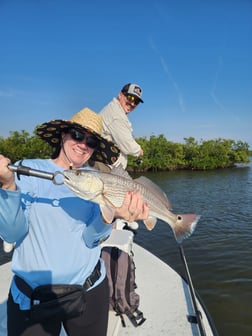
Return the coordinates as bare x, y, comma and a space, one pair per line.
106, 152
141, 101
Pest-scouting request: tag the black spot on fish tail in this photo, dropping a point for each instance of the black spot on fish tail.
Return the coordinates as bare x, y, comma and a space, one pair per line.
185, 226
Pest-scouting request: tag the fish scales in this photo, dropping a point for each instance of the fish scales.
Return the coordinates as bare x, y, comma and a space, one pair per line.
129, 184
116, 195
110, 189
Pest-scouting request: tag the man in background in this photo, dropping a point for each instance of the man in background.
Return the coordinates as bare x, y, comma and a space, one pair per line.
116, 125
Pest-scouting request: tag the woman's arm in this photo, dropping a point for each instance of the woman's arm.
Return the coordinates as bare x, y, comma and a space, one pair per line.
13, 225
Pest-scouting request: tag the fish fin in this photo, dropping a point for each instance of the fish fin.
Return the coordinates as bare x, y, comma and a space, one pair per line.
159, 193
185, 226
108, 213
120, 172
150, 222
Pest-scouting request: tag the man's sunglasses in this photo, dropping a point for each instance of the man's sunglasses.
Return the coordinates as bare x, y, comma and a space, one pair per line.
90, 140
132, 99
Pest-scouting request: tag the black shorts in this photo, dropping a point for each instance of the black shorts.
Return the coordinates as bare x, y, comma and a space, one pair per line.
94, 320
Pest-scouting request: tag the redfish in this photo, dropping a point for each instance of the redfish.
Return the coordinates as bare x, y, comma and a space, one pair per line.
109, 189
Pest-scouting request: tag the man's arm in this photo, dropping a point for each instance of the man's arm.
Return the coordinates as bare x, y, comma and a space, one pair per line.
122, 136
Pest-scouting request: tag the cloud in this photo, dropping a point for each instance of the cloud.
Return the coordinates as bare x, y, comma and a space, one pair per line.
213, 91
169, 75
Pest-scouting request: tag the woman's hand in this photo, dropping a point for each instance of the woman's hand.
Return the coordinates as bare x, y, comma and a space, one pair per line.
7, 178
133, 207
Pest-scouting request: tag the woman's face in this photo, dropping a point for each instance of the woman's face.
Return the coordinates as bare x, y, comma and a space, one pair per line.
77, 148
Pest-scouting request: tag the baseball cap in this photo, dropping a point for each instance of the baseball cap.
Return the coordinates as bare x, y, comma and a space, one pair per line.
133, 90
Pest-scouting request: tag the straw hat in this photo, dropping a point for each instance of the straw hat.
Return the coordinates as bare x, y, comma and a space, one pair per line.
85, 120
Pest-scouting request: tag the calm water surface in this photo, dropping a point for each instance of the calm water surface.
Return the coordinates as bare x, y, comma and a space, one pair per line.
219, 253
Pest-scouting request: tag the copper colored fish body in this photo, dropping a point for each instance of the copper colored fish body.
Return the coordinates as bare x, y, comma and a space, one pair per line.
109, 189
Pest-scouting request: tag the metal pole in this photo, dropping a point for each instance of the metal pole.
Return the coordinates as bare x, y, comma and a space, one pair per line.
192, 292
23, 170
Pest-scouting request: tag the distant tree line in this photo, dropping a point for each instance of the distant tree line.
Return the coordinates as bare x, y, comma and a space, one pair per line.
22, 145
159, 153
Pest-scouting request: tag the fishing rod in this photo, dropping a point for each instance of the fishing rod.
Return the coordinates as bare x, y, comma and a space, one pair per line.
198, 315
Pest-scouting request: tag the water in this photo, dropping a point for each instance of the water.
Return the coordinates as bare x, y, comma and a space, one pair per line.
219, 253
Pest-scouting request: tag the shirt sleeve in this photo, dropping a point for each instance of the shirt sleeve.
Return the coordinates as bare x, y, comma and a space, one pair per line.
13, 225
122, 136
96, 231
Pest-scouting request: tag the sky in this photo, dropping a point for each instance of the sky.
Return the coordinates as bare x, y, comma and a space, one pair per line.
193, 60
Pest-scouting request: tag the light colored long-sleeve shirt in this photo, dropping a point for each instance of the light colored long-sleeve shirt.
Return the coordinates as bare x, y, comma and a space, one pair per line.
118, 128
63, 231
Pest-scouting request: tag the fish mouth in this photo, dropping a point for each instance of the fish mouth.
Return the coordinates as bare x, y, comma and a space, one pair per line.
66, 178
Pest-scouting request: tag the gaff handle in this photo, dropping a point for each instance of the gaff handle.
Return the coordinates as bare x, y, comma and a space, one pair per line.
24, 170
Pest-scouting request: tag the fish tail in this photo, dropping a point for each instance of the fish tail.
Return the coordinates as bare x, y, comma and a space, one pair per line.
185, 226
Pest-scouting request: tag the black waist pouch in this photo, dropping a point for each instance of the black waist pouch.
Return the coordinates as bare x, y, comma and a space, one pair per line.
57, 301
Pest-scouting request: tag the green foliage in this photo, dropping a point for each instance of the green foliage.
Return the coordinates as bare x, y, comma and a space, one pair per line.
21, 145
159, 153
212, 154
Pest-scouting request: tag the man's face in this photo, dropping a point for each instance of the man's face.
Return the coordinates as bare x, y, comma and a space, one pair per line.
128, 102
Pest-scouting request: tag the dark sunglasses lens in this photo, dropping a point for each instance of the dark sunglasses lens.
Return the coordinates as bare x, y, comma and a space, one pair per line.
91, 141
75, 135
133, 99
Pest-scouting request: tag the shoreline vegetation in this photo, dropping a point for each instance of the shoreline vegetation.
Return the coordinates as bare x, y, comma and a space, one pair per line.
163, 155
159, 153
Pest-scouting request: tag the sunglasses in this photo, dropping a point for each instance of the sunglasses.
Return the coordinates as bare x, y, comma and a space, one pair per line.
90, 140
132, 99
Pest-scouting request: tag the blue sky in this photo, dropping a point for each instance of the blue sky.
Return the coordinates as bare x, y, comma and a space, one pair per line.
193, 60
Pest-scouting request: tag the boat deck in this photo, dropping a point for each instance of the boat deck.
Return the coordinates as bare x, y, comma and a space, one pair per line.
164, 300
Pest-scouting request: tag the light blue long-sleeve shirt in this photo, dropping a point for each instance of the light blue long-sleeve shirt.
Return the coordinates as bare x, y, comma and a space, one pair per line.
13, 224
61, 243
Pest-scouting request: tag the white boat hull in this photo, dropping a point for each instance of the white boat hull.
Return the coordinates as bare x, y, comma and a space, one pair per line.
164, 299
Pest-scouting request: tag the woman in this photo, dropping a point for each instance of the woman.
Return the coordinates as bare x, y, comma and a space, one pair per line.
58, 234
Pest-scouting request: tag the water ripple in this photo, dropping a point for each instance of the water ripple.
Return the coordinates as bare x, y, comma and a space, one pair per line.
219, 253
